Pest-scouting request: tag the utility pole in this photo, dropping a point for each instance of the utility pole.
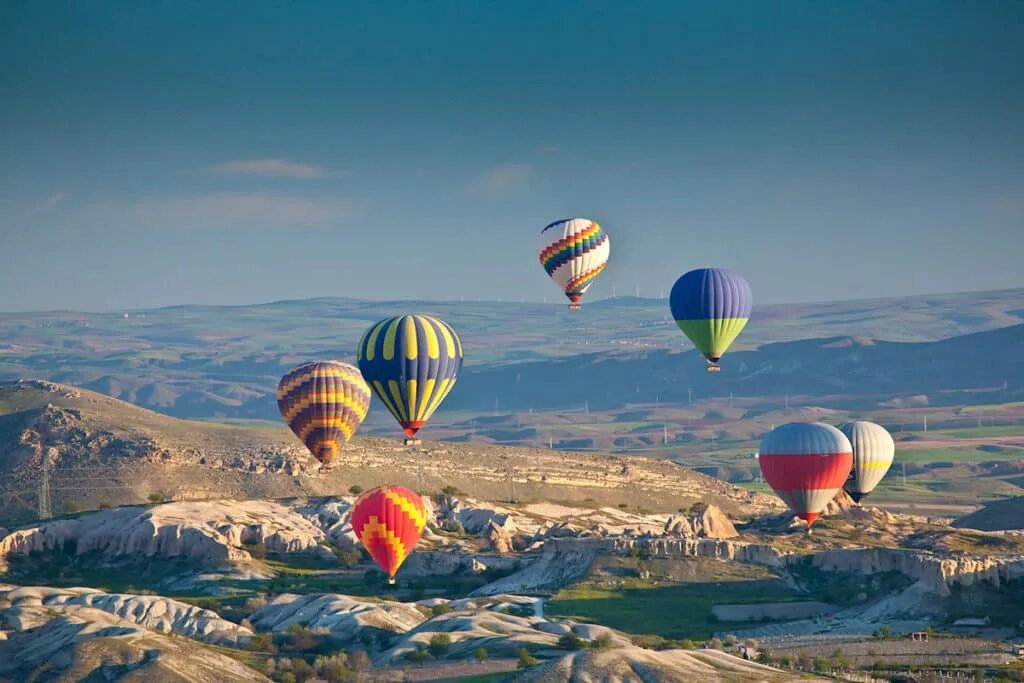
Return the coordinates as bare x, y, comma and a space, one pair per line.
495, 405
586, 407
787, 401
664, 434
926, 423
904, 467
689, 396
638, 290
613, 291
730, 399
657, 400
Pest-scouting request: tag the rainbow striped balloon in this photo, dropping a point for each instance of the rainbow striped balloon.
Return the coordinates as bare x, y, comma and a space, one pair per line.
388, 521
573, 252
411, 363
324, 403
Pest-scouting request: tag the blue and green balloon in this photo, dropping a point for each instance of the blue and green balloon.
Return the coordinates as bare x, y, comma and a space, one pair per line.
711, 307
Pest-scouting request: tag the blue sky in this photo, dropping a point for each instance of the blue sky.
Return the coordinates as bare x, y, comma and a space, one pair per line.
193, 152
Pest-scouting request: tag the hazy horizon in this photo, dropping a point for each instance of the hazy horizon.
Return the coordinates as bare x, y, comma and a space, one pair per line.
175, 154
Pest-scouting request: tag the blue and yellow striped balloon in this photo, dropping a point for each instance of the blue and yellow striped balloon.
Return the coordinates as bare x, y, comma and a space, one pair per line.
324, 403
411, 363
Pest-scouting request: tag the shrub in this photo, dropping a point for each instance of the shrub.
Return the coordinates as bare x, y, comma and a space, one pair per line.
571, 641
286, 677
440, 608
355, 489
526, 660
155, 498
885, 631
439, 644
258, 550
349, 558
821, 664
602, 642
714, 644
451, 491
418, 656
480, 654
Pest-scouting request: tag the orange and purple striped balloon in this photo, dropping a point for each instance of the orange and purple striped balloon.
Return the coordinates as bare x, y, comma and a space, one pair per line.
323, 403
388, 521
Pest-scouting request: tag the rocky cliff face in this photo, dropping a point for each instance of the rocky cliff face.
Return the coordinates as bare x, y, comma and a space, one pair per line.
937, 574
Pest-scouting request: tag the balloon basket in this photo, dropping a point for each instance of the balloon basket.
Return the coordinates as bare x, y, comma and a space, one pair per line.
714, 368
574, 307
391, 581
324, 469
412, 442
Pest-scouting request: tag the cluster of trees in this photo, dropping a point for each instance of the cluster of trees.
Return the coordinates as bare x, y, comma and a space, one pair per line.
336, 668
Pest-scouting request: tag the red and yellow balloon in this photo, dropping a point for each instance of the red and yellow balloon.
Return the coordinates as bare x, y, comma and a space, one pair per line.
388, 521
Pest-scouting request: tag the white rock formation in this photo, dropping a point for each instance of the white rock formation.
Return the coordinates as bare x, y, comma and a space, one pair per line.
32, 605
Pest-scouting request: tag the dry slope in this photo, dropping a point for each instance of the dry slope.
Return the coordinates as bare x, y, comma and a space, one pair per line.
94, 449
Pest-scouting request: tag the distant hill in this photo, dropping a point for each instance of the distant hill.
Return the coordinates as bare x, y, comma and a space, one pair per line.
843, 366
1001, 515
225, 361
68, 449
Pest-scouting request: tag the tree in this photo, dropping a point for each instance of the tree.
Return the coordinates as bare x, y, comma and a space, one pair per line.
602, 642
418, 656
440, 608
480, 654
358, 660
261, 642
355, 489
302, 670
713, 644
439, 644
286, 677
821, 664
885, 631
451, 490
526, 660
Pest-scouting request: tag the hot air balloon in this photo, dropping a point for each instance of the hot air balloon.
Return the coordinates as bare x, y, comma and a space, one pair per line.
411, 363
711, 307
388, 521
574, 251
873, 451
324, 403
806, 463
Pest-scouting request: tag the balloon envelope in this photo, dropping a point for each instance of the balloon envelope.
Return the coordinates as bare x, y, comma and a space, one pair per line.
711, 306
411, 362
573, 252
806, 463
873, 452
388, 521
323, 403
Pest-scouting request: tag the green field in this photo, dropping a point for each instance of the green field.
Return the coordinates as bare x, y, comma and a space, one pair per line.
674, 611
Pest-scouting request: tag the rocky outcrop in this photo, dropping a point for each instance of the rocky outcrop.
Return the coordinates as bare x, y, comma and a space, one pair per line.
153, 612
209, 533
841, 504
937, 574
739, 551
342, 616
502, 624
84, 643
637, 664
709, 522
499, 539
562, 562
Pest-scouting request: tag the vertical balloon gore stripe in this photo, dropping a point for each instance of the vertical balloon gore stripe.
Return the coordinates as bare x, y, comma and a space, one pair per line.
411, 367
